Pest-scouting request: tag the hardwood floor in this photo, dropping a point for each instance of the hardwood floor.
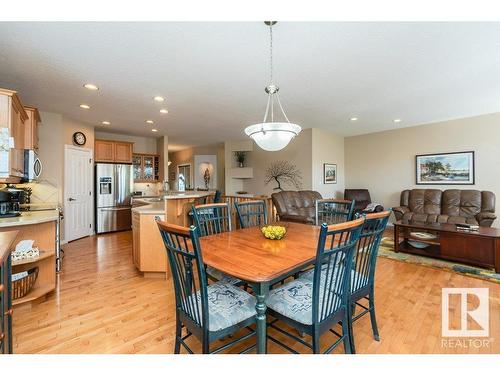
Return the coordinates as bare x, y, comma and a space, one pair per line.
103, 305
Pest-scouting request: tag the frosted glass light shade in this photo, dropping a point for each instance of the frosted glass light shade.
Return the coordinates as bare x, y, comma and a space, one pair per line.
273, 136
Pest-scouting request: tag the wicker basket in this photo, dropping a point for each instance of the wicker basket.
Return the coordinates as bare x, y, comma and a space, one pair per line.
23, 286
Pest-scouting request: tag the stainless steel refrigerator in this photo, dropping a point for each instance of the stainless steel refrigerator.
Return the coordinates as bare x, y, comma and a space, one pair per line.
114, 184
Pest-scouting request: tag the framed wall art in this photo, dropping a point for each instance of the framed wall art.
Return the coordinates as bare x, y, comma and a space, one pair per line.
452, 168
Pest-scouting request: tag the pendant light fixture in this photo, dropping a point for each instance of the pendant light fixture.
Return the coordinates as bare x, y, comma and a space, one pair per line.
271, 135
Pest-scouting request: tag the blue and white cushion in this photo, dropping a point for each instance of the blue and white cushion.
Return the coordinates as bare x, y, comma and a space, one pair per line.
227, 305
356, 277
221, 276
294, 300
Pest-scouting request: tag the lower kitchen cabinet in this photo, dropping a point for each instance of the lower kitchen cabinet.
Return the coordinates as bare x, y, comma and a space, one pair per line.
6, 240
148, 250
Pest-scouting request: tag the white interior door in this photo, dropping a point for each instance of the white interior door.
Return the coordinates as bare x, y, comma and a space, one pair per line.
78, 196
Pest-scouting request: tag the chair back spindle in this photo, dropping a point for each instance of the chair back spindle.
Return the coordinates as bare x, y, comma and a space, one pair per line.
365, 257
251, 213
333, 211
212, 218
188, 272
334, 259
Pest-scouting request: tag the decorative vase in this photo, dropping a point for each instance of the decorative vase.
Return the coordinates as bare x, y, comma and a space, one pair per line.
241, 165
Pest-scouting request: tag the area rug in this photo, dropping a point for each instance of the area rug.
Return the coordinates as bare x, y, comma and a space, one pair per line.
386, 250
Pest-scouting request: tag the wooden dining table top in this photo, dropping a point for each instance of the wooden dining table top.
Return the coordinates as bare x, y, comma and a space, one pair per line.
249, 256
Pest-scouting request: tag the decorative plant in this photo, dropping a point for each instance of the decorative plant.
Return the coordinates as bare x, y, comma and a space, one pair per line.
240, 157
283, 172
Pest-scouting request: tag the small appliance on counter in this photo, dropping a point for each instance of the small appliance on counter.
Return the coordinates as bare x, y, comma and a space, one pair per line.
10, 200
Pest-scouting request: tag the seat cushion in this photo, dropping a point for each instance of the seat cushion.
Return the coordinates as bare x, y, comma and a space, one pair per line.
294, 300
227, 305
356, 277
221, 276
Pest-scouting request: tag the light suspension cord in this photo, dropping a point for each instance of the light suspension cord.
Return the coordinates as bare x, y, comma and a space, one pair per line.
271, 52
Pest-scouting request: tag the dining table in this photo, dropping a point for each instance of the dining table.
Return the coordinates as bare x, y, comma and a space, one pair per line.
247, 255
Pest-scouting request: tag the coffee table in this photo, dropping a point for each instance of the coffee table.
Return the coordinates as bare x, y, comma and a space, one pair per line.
479, 248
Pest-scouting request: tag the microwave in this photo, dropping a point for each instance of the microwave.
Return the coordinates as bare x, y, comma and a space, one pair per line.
32, 166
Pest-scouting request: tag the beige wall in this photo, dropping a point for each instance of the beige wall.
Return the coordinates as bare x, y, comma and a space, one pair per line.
327, 148
186, 156
72, 126
385, 162
298, 152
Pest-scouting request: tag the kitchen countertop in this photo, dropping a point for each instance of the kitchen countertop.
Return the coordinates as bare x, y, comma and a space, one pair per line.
6, 240
153, 206
147, 207
30, 217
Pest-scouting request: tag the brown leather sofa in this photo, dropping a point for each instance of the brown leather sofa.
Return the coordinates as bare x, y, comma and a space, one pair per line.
449, 206
296, 206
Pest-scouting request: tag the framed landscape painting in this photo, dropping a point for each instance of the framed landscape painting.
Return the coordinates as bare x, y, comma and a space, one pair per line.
329, 173
453, 168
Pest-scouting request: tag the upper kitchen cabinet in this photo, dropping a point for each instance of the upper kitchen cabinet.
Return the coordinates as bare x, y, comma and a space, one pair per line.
123, 152
113, 151
12, 124
146, 168
31, 129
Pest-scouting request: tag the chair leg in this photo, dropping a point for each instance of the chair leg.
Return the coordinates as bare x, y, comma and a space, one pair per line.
347, 333
350, 330
315, 342
205, 347
178, 333
371, 305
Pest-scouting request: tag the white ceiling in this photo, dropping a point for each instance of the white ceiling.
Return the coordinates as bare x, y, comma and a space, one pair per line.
213, 74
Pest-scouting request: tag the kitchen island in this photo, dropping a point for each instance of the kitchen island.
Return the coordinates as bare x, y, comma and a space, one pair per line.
148, 250
43, 228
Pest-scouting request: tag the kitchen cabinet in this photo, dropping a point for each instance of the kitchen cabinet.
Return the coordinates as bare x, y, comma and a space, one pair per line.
146, 167
6, 241
31, 129
112, 151
148, 250
12, 117
123, 152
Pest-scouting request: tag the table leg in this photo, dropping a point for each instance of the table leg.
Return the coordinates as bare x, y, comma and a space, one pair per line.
261, 290
396, 239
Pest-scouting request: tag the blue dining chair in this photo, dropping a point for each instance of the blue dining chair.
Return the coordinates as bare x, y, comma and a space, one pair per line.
210, 219
251, 213
315, 306
363, 271
208, 312
333, 211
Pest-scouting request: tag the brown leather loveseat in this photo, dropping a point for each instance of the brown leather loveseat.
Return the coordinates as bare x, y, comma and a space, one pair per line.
297, 206
449, 206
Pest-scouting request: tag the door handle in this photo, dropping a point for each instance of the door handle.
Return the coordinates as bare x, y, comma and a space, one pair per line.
71, 199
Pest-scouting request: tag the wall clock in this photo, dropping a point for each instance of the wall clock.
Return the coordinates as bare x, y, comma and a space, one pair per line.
79, 139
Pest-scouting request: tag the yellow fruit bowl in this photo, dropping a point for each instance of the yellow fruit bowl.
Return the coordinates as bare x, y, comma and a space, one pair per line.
273, 232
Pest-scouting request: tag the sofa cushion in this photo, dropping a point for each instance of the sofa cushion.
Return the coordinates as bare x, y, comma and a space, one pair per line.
466, 203
425, 201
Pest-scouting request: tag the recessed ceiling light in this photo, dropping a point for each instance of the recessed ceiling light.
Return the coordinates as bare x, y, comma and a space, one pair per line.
159, 99
150, 122
106, 123
91, 86
397, 120
163, 110
154, 130
84, 106
353, 119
